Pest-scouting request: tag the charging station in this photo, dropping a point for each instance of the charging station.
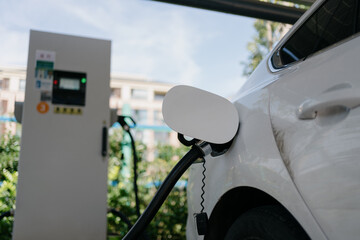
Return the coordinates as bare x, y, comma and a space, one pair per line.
62, 184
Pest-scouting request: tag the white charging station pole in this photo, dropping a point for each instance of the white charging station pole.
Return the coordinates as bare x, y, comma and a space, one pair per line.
62, 185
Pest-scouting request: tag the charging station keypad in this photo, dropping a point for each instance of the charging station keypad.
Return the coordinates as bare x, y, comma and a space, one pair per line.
68, 110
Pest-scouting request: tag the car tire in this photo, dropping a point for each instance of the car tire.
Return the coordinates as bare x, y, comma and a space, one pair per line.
266, 223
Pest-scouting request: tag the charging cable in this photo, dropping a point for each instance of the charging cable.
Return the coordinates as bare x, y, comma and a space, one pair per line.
198, 150
126, 127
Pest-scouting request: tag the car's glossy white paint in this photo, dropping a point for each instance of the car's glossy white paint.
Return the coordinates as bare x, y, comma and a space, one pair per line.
322, 149
299, 142
254, 161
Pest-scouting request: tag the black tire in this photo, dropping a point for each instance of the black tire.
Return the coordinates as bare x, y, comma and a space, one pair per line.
266, 223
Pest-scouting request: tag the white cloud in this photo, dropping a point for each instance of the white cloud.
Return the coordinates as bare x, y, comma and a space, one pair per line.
13, 47
146, 40
161, 41
164, 42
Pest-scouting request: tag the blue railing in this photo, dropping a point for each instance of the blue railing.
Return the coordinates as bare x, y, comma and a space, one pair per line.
7, 119
146, 127
116, 125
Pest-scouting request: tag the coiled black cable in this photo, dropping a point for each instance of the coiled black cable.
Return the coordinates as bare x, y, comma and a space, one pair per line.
203, 187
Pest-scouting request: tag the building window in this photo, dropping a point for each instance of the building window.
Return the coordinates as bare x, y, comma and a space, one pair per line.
158, 118
159, 96
4, 106
139, 136
161, 137
139, 93
4, 84
140, 116
116, 92
22, 84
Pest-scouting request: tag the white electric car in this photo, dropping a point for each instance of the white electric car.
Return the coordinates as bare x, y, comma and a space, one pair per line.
293, 170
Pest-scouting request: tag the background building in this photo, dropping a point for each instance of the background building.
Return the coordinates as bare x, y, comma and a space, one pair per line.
12, 88
142, 100
133, 96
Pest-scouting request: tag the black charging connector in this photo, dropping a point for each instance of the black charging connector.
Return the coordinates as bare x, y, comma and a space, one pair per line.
202, 222
217, 149
122, 120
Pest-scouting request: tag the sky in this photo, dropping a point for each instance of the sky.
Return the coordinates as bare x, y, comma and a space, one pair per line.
158, 41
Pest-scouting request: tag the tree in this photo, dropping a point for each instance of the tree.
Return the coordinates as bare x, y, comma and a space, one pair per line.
170, 221
268, 33
9, 155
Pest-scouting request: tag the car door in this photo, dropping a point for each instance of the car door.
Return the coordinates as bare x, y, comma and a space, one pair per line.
315, 114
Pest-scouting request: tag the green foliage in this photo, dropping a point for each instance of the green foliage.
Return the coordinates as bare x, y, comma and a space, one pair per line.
169, 223
7, 202
9, 155
120, 190
267, 34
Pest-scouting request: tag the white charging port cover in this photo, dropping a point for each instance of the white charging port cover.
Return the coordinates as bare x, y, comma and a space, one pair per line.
200, 114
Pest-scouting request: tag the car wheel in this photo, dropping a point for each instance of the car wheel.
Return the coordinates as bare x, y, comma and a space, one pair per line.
266, 223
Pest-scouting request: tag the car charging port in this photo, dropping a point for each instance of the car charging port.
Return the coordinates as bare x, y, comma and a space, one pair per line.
216, 149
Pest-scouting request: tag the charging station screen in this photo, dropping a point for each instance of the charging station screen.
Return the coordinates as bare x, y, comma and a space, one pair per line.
69, 88
69, 83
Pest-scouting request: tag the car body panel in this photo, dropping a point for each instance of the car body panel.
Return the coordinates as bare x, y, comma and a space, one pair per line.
322, 153
253, 161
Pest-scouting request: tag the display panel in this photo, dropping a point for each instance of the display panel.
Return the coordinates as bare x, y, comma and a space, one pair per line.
69, 83
69, 88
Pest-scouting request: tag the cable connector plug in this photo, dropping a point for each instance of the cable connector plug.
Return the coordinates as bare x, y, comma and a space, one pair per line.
122, 120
